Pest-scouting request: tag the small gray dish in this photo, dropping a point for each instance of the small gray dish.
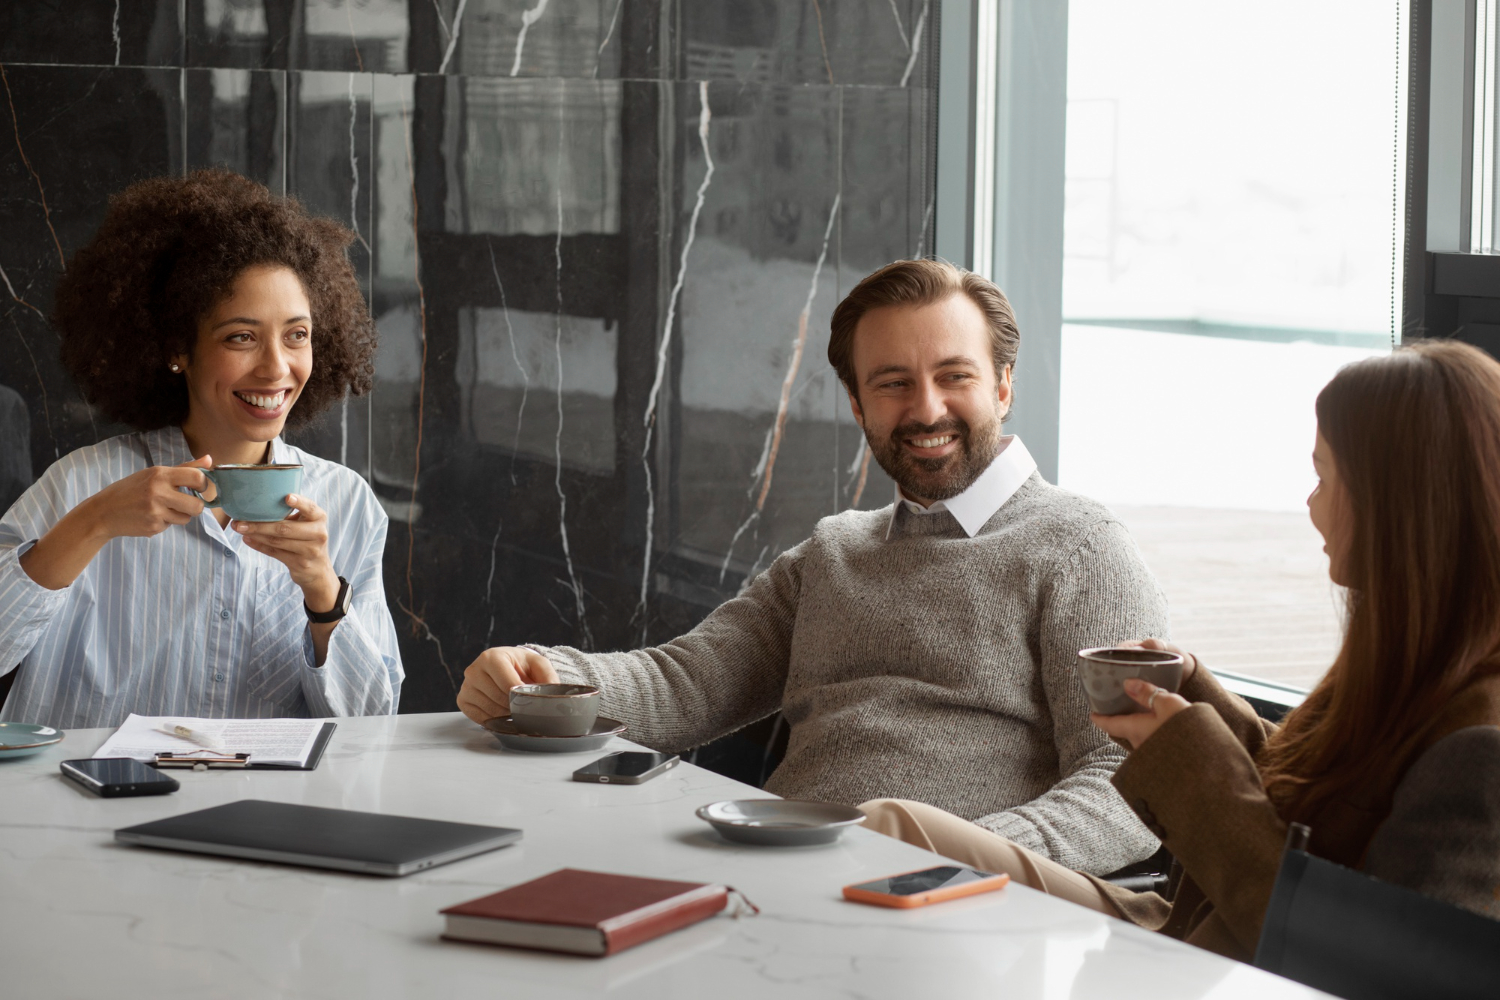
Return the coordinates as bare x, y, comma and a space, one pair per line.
780, 822
22, 739
512, 738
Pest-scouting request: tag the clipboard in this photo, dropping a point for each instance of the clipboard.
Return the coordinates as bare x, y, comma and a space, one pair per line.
201, 760
219, 760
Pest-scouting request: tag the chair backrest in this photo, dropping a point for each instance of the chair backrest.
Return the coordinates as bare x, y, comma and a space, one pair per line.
1341, 931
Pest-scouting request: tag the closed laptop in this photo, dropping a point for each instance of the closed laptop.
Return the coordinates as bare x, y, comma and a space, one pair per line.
342, 839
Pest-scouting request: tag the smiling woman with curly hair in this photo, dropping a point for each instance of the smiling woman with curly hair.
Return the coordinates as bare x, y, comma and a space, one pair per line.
208, 314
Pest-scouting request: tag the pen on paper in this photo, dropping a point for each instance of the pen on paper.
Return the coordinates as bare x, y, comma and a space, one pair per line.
183, 732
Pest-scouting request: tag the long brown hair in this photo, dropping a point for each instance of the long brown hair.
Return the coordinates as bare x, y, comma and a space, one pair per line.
1415, 438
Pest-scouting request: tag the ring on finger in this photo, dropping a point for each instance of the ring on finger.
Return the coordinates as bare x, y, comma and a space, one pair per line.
1151, 701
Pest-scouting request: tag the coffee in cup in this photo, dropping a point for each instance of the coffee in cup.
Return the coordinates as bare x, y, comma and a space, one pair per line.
1104, 670
253, 492
554, 709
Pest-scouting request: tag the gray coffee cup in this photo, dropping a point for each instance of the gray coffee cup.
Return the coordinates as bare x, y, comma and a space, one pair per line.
554, 709
253, 492
1104, 670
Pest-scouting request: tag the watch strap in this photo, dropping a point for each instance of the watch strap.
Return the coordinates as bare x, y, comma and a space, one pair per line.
340, 607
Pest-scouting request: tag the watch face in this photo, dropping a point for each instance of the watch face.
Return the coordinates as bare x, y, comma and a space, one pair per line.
346, 595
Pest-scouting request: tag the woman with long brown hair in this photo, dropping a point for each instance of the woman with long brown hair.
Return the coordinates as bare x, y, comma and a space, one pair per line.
1393, 760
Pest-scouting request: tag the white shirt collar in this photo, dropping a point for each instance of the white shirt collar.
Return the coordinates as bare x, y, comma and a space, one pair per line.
976, 505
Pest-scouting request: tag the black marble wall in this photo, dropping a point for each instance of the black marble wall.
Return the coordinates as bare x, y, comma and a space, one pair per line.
602, 240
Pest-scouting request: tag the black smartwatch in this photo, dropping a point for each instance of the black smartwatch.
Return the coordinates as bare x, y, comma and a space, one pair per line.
340, 606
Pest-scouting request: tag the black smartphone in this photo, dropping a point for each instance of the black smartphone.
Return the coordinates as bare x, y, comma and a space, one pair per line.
628, 767
115, 777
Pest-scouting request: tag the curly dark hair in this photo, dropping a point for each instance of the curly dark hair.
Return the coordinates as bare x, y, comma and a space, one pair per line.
169, 250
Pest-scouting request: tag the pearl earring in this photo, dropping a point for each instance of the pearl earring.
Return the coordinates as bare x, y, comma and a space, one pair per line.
175, 367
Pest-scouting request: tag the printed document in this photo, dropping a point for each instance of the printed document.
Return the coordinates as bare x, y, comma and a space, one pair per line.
268, 741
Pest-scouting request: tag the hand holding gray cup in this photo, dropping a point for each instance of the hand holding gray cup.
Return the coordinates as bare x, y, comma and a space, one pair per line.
554, 709
1103, 671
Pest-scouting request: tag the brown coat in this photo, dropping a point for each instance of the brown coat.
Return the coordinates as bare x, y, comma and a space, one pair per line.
1195, 785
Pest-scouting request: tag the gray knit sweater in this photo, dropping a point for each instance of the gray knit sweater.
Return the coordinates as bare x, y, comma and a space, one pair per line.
927, 665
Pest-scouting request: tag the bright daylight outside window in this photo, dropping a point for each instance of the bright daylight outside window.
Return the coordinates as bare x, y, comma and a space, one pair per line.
1229, 245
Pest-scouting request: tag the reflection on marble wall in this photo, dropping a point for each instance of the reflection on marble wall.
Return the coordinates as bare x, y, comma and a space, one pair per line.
601, 238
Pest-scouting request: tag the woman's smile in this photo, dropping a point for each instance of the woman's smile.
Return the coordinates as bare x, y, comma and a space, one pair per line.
264, 404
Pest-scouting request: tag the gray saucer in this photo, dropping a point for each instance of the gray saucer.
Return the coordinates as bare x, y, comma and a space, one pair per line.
780, 822
22, 739
512, 738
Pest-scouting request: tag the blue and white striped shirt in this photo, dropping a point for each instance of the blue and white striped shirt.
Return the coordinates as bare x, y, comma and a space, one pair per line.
192, 621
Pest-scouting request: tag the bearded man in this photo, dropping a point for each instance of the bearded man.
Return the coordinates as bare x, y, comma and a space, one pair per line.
924, 651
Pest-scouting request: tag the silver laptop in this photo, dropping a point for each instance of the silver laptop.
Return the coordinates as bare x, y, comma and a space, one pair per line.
341, 839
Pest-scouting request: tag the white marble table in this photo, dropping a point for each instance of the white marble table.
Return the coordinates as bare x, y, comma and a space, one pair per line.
81, 916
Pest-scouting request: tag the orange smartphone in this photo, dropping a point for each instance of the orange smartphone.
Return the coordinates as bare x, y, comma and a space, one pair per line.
930, 885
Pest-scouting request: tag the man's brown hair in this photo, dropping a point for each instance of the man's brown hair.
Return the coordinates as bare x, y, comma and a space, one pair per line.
920, 283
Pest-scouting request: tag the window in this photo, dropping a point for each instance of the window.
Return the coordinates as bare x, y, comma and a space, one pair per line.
1230, 241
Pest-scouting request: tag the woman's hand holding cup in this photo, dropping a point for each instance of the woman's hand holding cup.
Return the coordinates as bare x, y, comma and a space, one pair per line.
1160, 704
148, 502
141, 505
1136, 728
1189, 661
485, 693
300, 543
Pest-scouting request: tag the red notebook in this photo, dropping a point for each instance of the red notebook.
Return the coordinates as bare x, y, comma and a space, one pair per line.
587, 913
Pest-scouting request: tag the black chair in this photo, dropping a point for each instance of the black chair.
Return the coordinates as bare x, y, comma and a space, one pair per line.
1346, 933
1155, 874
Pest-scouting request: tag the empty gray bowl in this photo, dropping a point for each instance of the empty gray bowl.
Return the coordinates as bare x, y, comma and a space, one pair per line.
780, 822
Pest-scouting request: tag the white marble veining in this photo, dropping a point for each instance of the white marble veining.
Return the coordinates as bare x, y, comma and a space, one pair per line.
705, 118
765, 469
458, 21
81, 916
515, 356
914, 44
608, 34
794, 365
562, 497
528, 18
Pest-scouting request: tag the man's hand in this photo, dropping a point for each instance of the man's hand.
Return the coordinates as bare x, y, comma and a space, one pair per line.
1136, 728
485, 694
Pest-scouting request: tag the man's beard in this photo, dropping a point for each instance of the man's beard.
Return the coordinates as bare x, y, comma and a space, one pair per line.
943, 478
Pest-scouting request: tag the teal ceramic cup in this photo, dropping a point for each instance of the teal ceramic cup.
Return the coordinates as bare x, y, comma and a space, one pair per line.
253, 492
